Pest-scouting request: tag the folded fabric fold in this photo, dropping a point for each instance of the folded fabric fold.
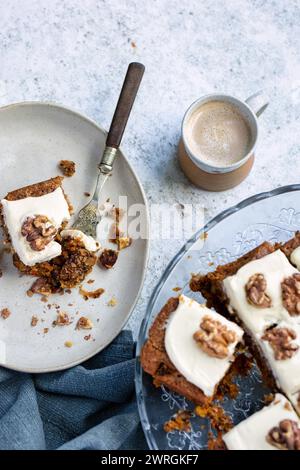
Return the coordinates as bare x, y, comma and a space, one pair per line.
90, 406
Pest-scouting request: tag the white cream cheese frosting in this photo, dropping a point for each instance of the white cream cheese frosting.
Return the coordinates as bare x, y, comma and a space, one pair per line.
295, 257
275, 267
285, 371
53, 205
194, 364
251, 433
89, 242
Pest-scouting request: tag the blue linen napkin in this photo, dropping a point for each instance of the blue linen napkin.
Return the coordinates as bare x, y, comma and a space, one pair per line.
91, 406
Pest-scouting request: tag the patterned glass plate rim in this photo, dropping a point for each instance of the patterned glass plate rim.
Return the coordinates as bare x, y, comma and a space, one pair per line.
142, 381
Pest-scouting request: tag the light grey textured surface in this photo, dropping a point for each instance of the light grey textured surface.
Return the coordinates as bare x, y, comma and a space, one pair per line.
76, 53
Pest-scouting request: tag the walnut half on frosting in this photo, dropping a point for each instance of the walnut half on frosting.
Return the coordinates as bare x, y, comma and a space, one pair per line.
290, 288
38, 231
285, 436
256, 291
214, 337
280, 340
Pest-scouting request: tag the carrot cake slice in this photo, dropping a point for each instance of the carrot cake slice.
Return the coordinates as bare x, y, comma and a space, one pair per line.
34, 220
190, 348
275, 427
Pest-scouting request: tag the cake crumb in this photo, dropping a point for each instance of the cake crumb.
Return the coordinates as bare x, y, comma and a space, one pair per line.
91, 281
123, 242
68, 344
91, 294
268, 398
181, 421
87, 337
87, 194
177, 289
67, 167
219, 420
45, 330
34, 320
112, 302
62, 319
287, 406
203, 236
5, 313
215, 443
108, 258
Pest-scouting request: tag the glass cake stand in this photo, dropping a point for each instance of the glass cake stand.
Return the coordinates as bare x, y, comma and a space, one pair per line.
272, 216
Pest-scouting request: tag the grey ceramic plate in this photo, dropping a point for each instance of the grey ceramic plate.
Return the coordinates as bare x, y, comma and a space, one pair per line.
34, 137
273, 216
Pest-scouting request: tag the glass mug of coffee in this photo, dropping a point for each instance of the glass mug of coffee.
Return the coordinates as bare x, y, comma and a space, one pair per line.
219, 135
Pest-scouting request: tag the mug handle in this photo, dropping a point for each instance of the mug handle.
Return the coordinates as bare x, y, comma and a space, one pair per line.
258, 102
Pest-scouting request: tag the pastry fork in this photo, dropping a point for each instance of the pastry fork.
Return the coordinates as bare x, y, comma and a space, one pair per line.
88, 217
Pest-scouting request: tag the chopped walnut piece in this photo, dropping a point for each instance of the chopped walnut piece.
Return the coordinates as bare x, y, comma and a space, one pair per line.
280, 340
40, 286
38, 231
5, 313
67, 167
62, 319
285, 436
256, 291
84, 323
34, 320
214, 337
290, 288
68, 344
95, 294
108, 258
181, 421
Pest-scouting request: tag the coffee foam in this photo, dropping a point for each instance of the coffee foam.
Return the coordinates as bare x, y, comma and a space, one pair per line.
218, 134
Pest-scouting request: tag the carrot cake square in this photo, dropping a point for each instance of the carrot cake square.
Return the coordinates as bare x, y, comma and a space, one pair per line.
275, 427
34, 220
190, 349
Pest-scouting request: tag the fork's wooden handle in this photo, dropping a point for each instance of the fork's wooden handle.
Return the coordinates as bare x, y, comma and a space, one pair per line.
128, 93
